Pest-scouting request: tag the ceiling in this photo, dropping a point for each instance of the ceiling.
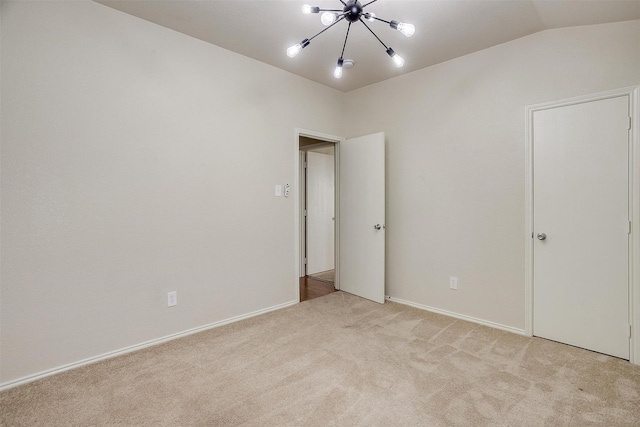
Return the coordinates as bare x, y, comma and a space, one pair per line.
445, 29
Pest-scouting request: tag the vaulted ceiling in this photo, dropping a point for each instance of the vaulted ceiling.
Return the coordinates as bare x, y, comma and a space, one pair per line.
445, 29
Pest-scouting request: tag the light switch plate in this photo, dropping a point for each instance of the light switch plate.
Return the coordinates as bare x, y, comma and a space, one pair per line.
278, 190
172, 299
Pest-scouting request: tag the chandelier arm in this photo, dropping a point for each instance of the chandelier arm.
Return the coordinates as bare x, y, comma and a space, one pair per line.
342, 1
374, 34
311, 38
379, 19
372, 1
345, 40
330, 10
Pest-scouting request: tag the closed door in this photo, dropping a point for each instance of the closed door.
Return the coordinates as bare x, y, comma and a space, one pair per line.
320, 212
581, 225
362, 213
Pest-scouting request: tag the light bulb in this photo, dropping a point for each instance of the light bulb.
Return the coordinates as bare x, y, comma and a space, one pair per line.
406, 29
369, 16
397, 59
328, 18
306, 9
337, 73
294, 50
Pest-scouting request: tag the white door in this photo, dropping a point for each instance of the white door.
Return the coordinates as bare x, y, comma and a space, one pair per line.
362, 210
581, 225
320, 212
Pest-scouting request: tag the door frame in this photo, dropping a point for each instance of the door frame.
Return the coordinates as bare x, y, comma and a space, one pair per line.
634, 208
302, 196
336, 140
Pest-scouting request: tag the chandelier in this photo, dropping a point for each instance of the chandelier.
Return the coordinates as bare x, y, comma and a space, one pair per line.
353, 11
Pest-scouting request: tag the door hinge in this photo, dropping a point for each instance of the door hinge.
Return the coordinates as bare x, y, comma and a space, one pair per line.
305, 261
305, 165
629, 331
630, 121
305, 212
629, 227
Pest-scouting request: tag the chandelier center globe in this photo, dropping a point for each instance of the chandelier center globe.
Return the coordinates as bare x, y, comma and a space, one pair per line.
352, 10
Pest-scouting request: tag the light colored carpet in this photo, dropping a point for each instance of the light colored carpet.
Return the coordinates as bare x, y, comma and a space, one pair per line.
327, 276
339, 361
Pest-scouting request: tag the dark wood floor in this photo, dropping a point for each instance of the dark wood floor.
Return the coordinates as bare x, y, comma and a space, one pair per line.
311, 288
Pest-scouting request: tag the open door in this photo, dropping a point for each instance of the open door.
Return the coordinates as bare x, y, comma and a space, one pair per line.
362, 209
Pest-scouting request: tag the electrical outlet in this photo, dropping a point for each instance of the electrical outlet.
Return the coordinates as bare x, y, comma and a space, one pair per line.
172, 299
453, 283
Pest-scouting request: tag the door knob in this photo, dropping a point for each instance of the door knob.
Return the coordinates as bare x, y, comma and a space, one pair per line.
377, 226
541, 236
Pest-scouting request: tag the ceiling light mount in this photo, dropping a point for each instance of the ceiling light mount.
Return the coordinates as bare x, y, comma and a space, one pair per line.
352, 12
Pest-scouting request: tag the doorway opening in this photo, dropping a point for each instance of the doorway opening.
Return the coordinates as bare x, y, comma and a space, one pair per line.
317, 196
359, 212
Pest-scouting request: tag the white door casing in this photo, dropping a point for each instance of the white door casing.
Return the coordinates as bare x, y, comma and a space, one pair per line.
302, 226
580, 201
320, 212
362, 216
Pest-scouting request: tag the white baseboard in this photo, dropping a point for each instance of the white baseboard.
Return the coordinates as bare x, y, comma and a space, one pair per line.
116, 353
459, 316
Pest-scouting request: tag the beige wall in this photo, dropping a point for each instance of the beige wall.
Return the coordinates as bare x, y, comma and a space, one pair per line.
137, 161
456, 160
